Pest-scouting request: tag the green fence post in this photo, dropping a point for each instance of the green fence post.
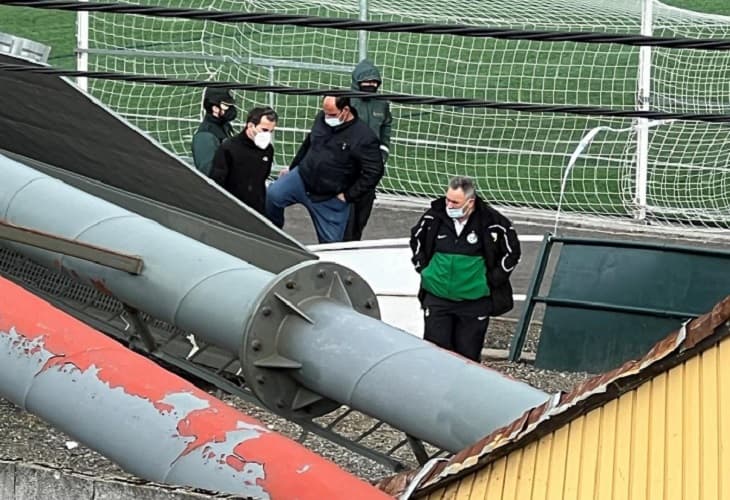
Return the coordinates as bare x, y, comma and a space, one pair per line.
518, 339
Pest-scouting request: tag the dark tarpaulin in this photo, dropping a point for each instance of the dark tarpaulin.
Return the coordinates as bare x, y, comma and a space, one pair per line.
47, 119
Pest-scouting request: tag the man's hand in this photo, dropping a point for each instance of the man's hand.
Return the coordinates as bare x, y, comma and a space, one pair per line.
385, 152
341, 197
283, 171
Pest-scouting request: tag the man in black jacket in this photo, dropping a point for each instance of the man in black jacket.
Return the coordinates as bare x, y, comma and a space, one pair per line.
220, 111
465, 251
338, 162
243, 163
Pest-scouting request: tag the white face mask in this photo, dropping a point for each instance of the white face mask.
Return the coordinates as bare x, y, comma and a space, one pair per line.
262, 139
332, 121
455, 213
458, 212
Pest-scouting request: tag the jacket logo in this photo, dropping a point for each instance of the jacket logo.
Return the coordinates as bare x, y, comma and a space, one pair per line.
440, 236
266, 158
472, 237
495, 235
376, 113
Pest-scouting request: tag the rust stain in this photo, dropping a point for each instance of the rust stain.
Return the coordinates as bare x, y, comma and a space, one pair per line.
702, 327
396, 485
101, 286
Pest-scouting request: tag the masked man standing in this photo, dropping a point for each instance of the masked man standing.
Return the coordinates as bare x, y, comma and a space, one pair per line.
376, 114
243, 163
220, 111
338, 162
465, 251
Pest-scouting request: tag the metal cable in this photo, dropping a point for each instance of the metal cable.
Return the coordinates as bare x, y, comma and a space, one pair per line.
386, 27
396, 98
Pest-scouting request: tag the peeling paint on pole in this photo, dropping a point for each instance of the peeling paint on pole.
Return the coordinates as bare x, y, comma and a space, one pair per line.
149, 421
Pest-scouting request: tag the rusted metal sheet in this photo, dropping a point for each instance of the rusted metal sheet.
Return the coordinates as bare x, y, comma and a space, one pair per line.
541, 422
149, 421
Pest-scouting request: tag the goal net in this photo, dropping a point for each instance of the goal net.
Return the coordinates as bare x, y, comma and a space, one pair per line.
518, 158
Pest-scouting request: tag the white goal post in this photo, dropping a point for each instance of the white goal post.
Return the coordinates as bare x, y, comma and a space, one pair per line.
676, 172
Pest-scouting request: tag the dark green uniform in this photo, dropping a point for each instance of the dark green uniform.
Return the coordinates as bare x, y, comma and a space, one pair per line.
376, 114
210, 134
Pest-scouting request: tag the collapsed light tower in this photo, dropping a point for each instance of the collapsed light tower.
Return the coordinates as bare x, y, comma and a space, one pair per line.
309, 338
152, 423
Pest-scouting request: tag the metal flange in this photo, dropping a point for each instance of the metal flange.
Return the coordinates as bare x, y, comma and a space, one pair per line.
266, 371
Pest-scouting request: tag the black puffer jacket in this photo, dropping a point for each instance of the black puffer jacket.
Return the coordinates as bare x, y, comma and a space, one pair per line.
341, 159
500, 247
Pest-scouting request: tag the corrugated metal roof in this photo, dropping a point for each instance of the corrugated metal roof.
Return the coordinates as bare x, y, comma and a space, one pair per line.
694, 337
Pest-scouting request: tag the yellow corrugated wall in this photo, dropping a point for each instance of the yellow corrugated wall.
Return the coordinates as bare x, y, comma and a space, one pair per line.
668, 439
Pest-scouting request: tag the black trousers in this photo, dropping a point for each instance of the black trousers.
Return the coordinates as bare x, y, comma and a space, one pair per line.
359, 214
457, 326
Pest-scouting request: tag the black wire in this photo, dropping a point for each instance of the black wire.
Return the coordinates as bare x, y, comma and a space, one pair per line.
396, 98
387, 27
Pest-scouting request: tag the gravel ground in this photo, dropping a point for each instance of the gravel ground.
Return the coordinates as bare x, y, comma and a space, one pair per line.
29, 439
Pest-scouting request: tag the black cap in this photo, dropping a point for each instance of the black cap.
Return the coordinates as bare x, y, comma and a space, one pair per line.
217, 95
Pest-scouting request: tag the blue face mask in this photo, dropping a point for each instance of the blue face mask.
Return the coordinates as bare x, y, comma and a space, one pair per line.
455, 213
459, 212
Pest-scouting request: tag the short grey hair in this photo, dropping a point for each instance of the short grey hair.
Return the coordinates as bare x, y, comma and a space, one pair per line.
464, 183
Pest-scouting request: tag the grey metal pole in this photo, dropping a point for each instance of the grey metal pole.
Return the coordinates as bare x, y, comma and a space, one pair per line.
184, 282
363, 35
307, 337
272, 82
412, 384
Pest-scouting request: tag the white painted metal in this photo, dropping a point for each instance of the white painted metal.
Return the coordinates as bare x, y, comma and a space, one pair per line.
82, 46
643, 104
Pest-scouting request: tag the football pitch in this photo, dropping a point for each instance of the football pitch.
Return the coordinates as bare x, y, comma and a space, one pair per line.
525, 153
